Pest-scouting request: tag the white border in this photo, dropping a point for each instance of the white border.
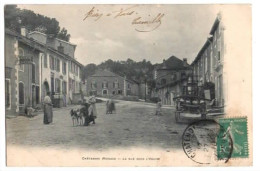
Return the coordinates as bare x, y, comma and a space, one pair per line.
255, 69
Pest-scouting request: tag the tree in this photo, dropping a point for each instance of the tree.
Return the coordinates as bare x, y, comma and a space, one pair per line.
89, 70
15, 18
139, 71
63, 34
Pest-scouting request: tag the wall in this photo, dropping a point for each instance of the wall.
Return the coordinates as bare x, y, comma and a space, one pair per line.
25, 77
110, 80
69, 49
46, 74
10, 62
40, 37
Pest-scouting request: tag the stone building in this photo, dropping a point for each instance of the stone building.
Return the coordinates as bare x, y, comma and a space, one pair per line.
22, 68
33, 68
208, 64
170, 76
107, 83
61, 73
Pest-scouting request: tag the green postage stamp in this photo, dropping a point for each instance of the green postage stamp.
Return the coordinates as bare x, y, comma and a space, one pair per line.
233, 136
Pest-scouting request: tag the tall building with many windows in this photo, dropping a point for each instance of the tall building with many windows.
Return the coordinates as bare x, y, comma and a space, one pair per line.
208, 64
34, 66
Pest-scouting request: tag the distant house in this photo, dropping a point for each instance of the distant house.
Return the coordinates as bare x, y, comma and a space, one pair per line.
170, 77
107, 83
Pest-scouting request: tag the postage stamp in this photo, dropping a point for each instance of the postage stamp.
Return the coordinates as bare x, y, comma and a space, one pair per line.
201, 139
236, 128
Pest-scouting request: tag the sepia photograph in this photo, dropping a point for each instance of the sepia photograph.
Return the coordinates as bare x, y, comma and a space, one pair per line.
128, 85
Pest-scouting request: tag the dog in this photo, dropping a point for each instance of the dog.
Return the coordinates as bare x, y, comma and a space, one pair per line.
80, 117
77, 117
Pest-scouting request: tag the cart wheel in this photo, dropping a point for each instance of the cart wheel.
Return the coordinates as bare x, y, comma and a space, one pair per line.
177, 116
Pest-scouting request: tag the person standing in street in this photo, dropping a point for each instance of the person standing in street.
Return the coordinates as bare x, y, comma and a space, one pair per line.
47, 109
92, 109
158, 107
64, 99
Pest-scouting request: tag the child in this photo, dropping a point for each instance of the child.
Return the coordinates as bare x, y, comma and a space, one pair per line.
158, 107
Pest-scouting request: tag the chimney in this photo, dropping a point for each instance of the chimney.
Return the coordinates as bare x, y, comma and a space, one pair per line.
24, 31
185, 63
164, 64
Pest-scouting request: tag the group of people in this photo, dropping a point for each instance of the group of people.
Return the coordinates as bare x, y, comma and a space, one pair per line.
110, 106
88, 108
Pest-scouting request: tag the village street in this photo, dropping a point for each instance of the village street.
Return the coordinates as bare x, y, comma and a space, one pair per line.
133, 125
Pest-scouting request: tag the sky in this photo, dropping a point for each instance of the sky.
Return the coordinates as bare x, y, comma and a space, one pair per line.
119, 32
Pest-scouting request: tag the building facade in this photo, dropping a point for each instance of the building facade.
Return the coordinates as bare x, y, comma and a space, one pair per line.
170, 78
106, 83
61, 72
33, 68
208, 64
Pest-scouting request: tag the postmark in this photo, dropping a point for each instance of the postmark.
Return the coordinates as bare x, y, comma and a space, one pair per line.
199, 141
236, 128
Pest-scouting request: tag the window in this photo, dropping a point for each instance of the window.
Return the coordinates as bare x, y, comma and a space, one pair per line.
57, 85
21, 93
45, 61
37, 94
76, 70
7, 93
52, 62
73, 86
174, 76
69, 66
33, 73
128, 86
206, 64
163, 81
52, 83
105, 84
218, 55
211, 61
21, 53
72, 68
119, 91
70, 84
64, 87
93, 84
58, 65
64, 68
77, 87
183, 75
116, 84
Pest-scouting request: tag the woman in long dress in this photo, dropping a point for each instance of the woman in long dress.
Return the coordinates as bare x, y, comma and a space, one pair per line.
92, 109
47, 109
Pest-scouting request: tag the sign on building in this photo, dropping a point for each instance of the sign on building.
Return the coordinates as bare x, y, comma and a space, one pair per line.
25, 60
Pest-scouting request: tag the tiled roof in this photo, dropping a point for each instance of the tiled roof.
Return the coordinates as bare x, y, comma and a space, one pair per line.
172, 63
106, 73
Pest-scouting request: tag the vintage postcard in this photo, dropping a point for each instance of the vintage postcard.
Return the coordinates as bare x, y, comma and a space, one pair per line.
128, 85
